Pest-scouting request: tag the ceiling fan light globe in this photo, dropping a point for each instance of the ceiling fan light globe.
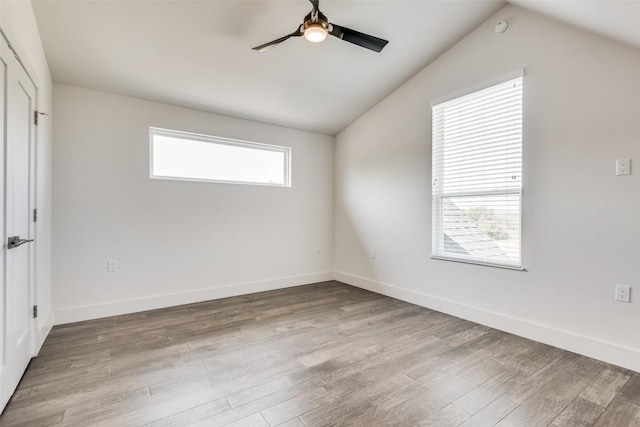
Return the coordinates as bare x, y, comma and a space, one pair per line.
315, 33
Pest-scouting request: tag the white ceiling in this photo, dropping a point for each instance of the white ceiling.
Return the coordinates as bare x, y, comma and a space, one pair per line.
616, 19
198, 53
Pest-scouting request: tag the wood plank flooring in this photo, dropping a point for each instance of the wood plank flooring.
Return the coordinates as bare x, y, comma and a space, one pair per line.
318, 355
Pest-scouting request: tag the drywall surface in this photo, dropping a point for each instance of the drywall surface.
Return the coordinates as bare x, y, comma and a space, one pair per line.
581, 233
175, 241
19, 24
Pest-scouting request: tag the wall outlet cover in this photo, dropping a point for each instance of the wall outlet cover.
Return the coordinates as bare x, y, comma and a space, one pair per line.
623, 167
623, 293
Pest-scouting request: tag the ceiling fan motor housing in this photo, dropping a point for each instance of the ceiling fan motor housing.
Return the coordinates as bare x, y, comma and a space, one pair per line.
316, 27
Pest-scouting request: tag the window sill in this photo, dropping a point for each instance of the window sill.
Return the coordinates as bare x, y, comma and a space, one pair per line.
486, 264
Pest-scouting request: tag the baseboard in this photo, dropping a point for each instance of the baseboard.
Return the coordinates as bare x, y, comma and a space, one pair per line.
602, 350
114, 308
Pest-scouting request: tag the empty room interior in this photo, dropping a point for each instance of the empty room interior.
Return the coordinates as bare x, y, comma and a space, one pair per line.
307, 213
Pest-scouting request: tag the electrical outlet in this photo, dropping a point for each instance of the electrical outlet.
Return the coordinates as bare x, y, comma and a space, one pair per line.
623, 293
318, 249
623, 167
372, 253
112, 265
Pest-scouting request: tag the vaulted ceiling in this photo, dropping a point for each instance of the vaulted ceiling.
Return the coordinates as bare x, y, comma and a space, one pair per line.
198, 53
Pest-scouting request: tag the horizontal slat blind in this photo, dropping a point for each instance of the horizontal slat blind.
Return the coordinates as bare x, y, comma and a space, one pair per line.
477, 175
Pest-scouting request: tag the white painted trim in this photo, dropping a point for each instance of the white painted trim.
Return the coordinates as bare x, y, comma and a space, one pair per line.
113, 308
42, 331
219, 140
592, 347
478, 262
478, 87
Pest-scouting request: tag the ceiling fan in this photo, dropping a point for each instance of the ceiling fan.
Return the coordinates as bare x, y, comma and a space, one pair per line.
316, 27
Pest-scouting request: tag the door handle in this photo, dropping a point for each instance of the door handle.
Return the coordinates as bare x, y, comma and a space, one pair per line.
15, 241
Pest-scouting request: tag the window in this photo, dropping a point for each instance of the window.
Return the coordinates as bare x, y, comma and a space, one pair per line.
477, 176
192, 157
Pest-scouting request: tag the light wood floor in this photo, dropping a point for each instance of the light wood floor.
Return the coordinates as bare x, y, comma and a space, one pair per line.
317, 355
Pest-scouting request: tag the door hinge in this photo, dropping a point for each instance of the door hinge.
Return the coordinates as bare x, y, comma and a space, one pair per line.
35, 311
35, 215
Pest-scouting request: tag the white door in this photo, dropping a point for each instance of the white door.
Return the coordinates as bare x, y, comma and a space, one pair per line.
18, 104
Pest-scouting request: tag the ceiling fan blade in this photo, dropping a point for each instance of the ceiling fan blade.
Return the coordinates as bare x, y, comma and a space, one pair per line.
316, 5
356, 37
267, 46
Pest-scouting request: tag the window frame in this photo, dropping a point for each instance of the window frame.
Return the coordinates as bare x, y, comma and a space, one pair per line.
190, 136
438, 194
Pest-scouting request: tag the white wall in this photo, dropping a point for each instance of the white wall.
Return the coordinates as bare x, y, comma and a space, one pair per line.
176, 242
19, 24
581, 223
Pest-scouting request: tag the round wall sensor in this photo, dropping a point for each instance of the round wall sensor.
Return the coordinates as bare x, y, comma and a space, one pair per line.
501, 27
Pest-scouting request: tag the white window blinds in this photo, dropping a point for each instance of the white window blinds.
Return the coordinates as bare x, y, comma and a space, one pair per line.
477, 176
